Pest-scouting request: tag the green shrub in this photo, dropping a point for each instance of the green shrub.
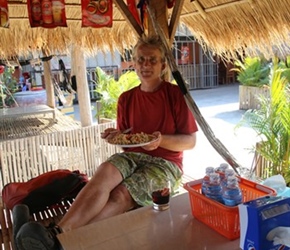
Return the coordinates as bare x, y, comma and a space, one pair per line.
8, 86
253, 71
272, 121
110, 90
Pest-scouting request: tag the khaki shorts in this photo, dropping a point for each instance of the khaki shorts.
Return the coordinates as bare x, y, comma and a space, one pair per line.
138, 169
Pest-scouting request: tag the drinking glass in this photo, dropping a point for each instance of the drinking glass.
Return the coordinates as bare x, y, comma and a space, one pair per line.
160, 190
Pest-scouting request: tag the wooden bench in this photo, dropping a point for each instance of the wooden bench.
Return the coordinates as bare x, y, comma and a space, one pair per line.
46, 217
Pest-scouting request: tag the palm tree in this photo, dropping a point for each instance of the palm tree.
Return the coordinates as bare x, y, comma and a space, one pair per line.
272, 122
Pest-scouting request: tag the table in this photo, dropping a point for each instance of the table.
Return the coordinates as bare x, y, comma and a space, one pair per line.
147, 229
26, 111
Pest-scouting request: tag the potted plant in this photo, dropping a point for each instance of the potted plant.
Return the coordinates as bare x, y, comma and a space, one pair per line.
110, 90
253, 76
271, 122
8, 86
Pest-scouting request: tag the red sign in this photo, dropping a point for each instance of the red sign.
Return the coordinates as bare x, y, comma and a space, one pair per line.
132, 6
97, 13
4, 21
46, 13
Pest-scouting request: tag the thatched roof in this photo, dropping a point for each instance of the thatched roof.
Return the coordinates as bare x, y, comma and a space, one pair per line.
224, 26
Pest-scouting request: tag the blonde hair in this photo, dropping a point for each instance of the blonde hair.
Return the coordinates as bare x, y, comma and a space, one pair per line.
151, 42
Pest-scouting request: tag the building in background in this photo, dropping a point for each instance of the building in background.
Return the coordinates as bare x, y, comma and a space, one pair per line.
199, 69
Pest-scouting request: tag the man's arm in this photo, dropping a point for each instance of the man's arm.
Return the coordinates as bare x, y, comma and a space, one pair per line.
176, 142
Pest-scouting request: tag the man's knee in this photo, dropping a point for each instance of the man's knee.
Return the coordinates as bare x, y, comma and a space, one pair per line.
121, 196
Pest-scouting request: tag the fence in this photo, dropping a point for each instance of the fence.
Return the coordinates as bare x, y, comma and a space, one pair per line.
200, 76
79, 149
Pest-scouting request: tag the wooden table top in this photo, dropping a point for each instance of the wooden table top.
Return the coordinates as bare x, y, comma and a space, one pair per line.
26, 110
34, 121
147, 229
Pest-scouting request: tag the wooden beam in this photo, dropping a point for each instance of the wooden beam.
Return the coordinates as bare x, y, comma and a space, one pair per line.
217, 7
160, 12
174, 20
200, 8
123, 8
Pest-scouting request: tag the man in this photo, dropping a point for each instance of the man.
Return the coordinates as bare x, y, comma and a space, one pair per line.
122, 182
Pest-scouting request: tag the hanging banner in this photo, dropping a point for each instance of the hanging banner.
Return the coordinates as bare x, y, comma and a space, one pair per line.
97, 13
143, 13
46, 13
4, 14
132, 6
170, 3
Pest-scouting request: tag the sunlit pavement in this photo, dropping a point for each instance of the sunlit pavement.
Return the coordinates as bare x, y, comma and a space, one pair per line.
220, 108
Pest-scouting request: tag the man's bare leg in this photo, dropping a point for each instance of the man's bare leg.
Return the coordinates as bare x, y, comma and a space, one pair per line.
120, 201
92, 198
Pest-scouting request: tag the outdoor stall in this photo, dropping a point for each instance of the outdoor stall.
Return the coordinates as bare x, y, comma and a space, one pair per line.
229, 28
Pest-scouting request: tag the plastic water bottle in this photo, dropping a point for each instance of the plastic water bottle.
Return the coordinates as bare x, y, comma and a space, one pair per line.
228, 172
222, 169
205, 181
232, 195
214, 189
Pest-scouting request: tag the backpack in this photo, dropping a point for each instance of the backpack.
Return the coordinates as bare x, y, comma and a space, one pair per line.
44, 190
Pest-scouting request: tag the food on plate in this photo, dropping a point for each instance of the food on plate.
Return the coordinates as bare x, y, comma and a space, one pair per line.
130, 139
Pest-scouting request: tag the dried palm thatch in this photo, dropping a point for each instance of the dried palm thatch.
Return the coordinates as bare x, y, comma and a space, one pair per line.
20, 38
246, 26
227, 27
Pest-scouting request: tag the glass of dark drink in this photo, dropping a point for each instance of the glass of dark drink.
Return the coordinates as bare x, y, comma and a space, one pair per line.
160, 191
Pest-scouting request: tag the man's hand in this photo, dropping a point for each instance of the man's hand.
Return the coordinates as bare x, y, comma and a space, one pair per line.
110, 133
155, 144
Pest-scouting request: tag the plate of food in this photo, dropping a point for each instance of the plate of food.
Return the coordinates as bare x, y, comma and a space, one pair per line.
132, 140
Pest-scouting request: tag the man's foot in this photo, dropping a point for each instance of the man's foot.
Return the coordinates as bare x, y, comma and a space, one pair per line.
20, 216
34, 236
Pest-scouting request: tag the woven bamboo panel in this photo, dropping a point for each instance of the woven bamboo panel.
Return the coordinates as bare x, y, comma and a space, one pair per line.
78, 149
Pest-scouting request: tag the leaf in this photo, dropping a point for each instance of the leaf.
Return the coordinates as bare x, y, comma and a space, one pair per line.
272, 121
110, 90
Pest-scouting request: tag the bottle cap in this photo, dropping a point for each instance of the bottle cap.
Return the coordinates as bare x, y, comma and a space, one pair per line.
209, 170
222, 167
231, 180
229, 172
214, 178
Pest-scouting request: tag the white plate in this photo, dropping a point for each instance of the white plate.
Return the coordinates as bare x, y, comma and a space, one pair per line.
136, 145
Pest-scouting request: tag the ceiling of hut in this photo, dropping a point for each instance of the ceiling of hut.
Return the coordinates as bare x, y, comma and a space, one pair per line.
226, 27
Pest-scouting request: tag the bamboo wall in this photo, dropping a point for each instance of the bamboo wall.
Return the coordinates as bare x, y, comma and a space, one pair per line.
79, 149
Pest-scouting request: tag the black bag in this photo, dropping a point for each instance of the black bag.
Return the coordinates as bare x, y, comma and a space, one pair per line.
44, 190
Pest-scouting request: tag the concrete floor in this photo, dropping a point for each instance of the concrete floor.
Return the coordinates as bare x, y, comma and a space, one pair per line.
220, 108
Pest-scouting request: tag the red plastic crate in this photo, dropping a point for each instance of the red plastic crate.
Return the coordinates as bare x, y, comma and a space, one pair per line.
221, 218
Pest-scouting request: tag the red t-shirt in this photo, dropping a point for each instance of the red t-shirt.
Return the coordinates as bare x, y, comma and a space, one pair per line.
164, 110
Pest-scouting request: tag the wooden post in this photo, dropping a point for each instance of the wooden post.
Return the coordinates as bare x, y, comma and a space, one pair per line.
50, 97
78, 68
161, 17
